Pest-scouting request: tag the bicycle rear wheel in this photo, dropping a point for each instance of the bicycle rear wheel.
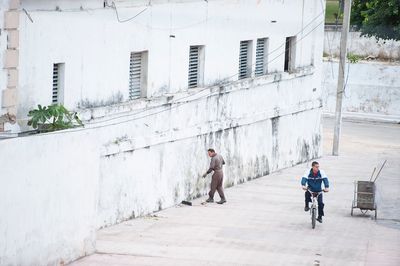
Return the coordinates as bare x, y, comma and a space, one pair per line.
313, 212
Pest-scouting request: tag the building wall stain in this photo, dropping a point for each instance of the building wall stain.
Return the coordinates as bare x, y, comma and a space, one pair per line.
245, 160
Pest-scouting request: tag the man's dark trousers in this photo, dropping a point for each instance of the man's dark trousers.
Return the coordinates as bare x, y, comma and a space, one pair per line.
320, 202
216, 184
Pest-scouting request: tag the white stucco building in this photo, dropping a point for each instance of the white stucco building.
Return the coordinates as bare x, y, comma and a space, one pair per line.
156, 83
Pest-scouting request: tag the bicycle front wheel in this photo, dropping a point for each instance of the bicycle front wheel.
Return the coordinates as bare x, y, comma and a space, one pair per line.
313, 213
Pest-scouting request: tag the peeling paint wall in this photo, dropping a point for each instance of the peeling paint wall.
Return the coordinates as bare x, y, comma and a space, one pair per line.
372, 88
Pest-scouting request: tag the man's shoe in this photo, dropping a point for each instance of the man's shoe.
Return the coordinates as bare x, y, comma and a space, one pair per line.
319, 219
210, 200
306, 208
222, 201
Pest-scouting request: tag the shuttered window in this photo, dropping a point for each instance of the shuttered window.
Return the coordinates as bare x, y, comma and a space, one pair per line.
245, 59
290, 54
56, 83
193, 66
57, 95
261, 57
196, 66
135, 73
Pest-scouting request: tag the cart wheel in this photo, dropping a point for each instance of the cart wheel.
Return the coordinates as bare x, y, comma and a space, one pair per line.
376, 211
351, 213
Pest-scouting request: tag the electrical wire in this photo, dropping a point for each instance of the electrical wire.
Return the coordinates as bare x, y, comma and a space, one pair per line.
207, 88
188, 96
178, 104
276, 49
329, 43
348, 69
345, 63
276, 57
129, 19
28, 15
163, 110
347, 79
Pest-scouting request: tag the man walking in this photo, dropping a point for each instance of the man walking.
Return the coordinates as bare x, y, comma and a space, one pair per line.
217, 178
314, 178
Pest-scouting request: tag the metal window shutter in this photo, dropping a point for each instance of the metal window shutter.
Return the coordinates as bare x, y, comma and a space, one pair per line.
55, 83
135, 68
260, 54
243, 59
193, 75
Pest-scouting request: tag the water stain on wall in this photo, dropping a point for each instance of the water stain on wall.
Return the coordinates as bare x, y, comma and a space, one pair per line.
275, 143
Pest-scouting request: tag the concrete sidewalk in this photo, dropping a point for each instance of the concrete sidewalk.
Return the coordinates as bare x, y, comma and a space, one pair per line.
263, 222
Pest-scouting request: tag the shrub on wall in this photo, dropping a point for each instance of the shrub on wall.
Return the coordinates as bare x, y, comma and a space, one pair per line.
353, 58
52, 118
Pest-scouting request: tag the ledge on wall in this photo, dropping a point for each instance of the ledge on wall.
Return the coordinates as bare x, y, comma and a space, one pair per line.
353, 116
107, 112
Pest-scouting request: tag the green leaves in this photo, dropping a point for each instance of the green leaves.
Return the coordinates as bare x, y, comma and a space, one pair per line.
353, 58
379, 18
52, 118
39, 115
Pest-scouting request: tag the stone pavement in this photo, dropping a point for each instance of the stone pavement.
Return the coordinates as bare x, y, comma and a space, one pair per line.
263, 222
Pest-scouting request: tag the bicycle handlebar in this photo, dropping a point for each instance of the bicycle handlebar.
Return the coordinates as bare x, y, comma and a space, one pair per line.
312, 193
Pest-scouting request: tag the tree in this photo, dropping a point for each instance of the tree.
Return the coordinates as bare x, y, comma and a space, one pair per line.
378, 18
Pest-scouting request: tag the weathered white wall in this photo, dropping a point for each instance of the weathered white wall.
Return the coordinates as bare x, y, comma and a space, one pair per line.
70, 183
48, 198
136, 157
137, 182
96, 47
363, 46
372, 87
158, 165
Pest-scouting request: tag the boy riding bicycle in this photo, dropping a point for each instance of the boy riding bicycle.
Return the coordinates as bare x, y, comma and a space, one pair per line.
312, 180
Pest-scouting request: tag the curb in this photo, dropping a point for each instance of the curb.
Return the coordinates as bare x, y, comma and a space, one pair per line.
350, 116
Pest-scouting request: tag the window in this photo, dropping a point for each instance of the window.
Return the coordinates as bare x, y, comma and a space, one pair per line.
58, 83
138, 75
290, 54
245, 55
261, 57
196, 66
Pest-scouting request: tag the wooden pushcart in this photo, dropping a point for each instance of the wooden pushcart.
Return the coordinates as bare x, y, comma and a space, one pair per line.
364, 197
364, 194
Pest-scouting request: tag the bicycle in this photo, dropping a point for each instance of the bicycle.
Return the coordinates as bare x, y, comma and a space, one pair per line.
314, 206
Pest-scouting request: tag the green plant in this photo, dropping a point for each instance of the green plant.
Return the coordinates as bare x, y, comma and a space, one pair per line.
353, 58
332, 12
379, 18
52, 118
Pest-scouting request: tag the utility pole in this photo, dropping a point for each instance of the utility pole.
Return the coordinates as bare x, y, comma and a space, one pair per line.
342, 69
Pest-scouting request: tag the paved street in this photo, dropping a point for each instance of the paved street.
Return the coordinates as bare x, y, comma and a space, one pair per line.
263, 222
